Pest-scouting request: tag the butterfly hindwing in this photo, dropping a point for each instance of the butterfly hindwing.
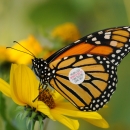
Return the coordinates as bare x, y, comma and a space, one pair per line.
97, 86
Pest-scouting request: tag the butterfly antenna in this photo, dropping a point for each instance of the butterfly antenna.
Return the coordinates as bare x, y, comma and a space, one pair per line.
21, 51
24, 48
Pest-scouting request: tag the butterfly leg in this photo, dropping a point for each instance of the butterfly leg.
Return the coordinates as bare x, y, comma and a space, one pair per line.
43, 88
40, 85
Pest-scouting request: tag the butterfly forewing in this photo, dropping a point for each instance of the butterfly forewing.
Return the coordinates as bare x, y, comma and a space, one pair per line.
113, 43
94, 90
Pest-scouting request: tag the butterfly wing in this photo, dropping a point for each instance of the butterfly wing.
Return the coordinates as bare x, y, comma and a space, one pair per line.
97, 82
107, 48
113, 43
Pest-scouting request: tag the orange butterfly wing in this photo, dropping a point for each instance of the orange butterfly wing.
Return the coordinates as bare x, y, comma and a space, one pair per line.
106, 47
97, 87
113, 43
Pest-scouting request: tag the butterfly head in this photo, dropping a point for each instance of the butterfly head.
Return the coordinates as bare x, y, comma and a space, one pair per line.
41, 69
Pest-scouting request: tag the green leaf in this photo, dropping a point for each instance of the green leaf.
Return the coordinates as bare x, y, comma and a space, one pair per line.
40, 122
25, 114
32, 124
19, 115
34, 114
19, 108
28, 122
2, 107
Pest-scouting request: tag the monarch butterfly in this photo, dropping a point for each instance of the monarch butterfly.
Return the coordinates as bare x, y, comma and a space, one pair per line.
84, 72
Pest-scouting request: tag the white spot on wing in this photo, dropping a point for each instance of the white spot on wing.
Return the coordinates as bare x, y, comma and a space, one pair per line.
89, 55
107, 36
126, 45
97, 105
80, 57
101, 103
53, 71
98, 57
100, 32
94, 101
108, 66
94, 108
125, 27
77, 41
89, 36
98, 42
113, 61
118, 51
81, 107
118, 57
128, 29
94, 39
105, 100
65, 58
113, 55
108, 33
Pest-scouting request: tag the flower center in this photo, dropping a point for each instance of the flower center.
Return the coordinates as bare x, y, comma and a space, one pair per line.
47, 98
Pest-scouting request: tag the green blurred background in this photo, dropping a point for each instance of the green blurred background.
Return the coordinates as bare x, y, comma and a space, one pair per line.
20, 18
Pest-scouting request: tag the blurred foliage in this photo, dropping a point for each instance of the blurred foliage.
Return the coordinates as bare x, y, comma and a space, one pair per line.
19, 19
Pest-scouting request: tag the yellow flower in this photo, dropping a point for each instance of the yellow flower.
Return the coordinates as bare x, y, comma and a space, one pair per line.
3, 54
67, 32
23, 89
30, 44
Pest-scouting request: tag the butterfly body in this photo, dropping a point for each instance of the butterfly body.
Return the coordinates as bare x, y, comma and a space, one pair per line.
84, 72
42, 70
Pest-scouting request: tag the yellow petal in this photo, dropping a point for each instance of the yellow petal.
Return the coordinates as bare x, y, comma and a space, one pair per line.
58, 98
98, 122
70, 123
24, 86
15, 86
21, 58
3, 53
5, 88
77, 113
66, 104
42, 107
